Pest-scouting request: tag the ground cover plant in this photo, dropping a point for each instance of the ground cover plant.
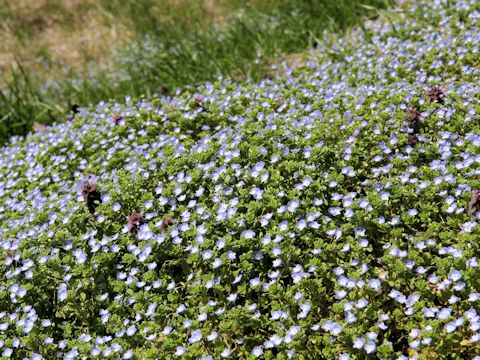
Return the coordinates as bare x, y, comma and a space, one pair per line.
80, 52
330, 212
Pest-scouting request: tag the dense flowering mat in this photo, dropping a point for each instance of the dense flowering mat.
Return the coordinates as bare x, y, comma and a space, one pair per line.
329, 213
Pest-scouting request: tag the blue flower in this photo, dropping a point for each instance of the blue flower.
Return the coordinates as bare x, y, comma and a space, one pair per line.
257, 351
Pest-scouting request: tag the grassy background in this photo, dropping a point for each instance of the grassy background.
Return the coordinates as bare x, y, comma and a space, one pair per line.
57, 53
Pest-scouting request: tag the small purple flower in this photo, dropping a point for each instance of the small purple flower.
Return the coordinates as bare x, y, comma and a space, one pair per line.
412, 212
180, 350
444, 313
257, 351
293, 205
454, 275
217, 263
195, 337
369, 347
248, 234
62, 292
358, 343
131, 330
450, 327
225, 353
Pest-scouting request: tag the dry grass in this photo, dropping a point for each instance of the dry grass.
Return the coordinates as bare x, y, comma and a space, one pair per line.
68, 36
55, 37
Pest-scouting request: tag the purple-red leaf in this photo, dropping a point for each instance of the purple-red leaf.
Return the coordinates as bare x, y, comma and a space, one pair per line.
91, 196
474, 203
134, 220
436, 93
